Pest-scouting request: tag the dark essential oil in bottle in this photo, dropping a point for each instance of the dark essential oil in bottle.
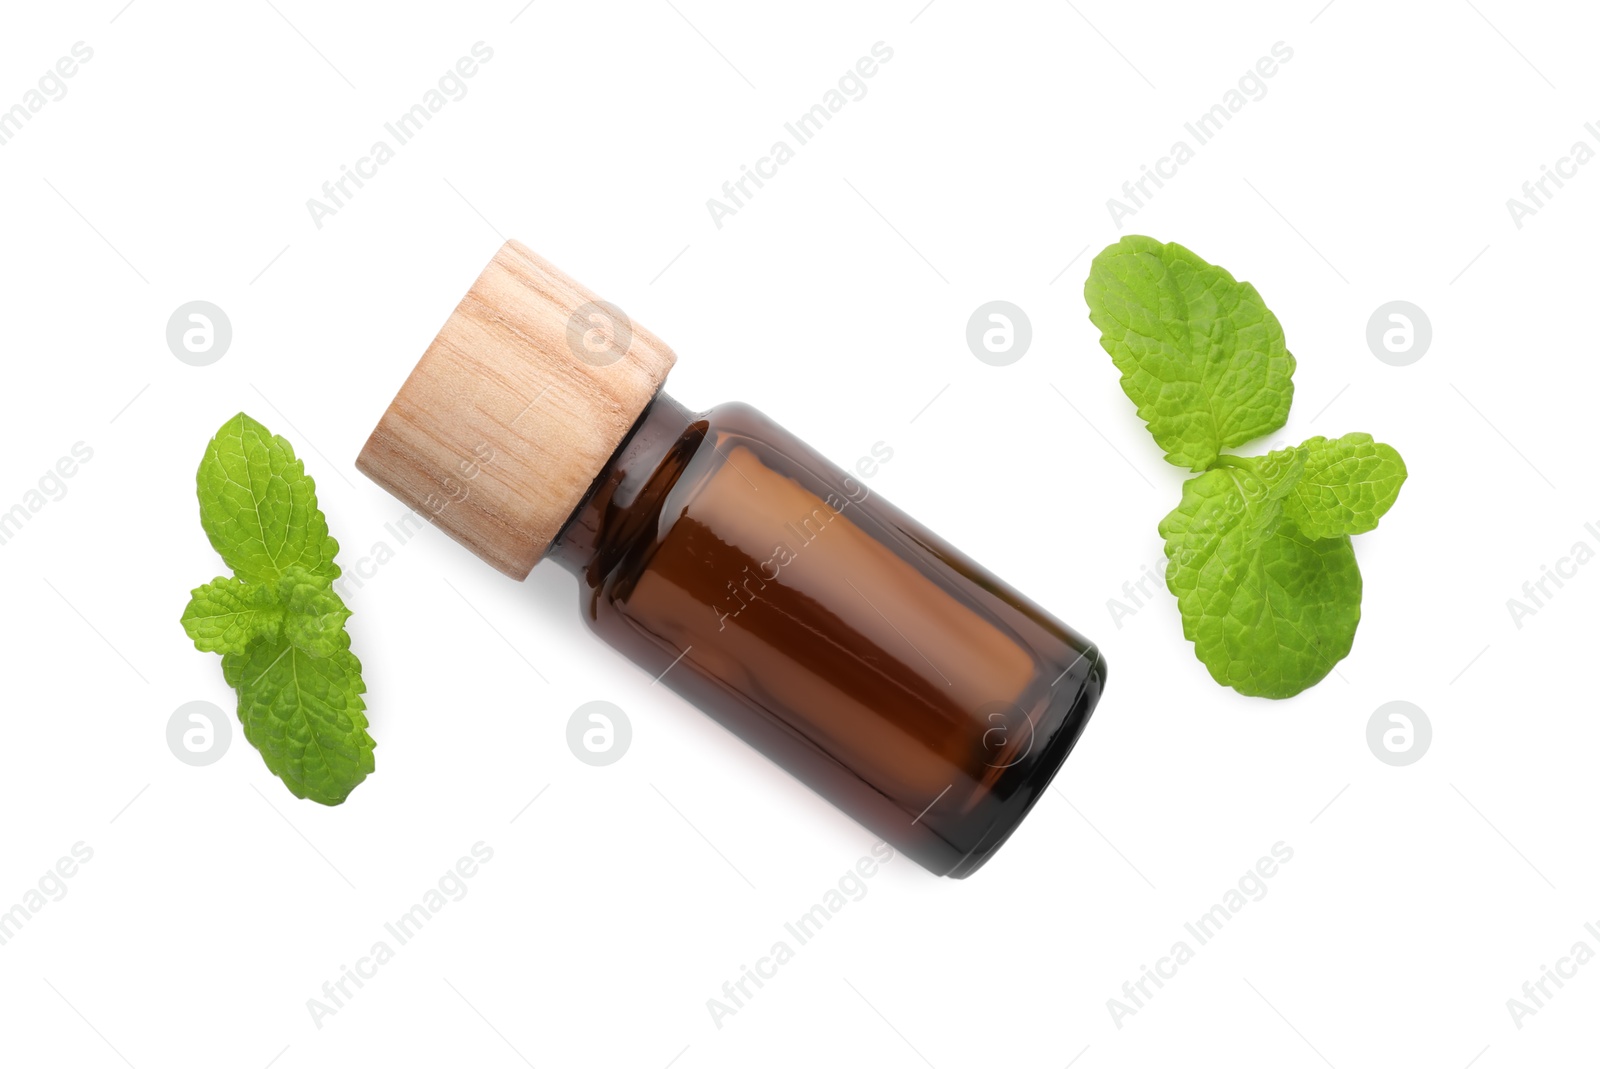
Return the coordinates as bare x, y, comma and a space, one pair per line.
835, 634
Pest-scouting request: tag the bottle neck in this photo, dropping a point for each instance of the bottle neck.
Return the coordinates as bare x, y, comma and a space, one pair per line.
622, 502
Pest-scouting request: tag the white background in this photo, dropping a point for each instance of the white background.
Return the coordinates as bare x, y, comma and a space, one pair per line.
977, 167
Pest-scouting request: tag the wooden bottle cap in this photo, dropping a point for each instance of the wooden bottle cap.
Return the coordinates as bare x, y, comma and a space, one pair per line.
515, 409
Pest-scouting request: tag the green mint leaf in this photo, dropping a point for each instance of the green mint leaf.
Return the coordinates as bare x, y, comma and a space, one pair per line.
278, 622
314, 614
226, 615
1270, 610
233, 668
1259, 547
1270, 478
306, 716
259, 507
1349, 483
1200, 354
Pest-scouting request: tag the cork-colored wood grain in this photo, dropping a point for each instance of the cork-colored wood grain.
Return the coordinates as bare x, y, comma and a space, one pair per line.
514, 409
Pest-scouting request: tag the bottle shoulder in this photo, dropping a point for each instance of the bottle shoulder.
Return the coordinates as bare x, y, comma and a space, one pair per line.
738, 417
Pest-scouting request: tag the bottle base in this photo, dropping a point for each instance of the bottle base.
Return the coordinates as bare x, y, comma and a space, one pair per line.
1031, 789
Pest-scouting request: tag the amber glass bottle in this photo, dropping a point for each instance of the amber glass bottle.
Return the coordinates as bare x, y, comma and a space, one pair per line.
816, 621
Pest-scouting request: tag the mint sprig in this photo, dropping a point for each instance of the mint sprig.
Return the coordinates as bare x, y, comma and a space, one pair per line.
1200, 354
277, 621
1259, 552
